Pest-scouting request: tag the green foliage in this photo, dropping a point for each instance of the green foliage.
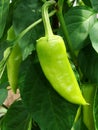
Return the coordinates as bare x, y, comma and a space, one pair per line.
16, 118
93, 36
88, 62
94, 4
79, 21
48, 109
3, 95
40, 106
4, 7
25, 13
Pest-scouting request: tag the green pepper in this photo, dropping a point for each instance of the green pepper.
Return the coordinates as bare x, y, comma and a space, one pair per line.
13, 62
53, 59
89, 93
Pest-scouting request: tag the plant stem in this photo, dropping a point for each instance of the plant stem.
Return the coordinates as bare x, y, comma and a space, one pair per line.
66, 34
45, 17
65, 31
60, 4
30, 27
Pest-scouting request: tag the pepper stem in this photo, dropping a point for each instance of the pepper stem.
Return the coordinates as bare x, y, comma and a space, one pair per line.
45, 17
21, 35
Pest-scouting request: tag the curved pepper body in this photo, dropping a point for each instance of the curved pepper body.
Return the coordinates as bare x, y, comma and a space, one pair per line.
13, 62
57, 69
13, 65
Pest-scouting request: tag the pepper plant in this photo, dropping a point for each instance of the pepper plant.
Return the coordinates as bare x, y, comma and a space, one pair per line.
38, 72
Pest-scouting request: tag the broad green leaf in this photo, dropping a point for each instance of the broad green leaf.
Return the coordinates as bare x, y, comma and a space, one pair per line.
3, 95
94, 36
8, 21
79, 21
4, 6
16, 118
88, 62
27, 12
48, 109
94, 4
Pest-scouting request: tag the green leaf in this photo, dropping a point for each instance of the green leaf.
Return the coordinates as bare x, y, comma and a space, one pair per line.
4, 60
4, 80
88, 62
94, 4
48, 109
3, 46
27, 12
16, 118
79, 21
4, 6
3, 95
94, 36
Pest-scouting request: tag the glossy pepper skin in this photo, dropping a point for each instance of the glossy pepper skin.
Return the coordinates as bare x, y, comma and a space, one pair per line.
53, 59
57, 69
13, 62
